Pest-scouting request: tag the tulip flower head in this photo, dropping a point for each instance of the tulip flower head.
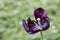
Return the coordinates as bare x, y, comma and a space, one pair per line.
42, 20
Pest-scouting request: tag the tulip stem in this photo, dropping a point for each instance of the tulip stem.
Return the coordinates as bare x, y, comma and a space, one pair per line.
41, 35
38, 19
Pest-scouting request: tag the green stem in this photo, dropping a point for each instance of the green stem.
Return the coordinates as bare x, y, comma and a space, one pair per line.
41, 35
38, 19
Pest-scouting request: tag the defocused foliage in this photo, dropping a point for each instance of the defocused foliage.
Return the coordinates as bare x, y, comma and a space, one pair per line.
13, 11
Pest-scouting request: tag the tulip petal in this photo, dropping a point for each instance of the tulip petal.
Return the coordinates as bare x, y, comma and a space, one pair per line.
33, 26
39, 13
45, 24
30, 26
26, 27
44, 20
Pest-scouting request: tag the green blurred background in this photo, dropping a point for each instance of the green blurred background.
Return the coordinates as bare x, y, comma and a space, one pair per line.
13, 11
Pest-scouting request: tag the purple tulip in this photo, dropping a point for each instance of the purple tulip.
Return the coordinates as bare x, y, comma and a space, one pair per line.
42, 20
30, 26
42, 15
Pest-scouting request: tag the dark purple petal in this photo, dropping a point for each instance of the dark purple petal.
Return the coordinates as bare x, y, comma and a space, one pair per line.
33, 26
40, 13
44, 20
25, 25
45, 23
30, 26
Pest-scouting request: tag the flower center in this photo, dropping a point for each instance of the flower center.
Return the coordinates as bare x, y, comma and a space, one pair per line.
38, 19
